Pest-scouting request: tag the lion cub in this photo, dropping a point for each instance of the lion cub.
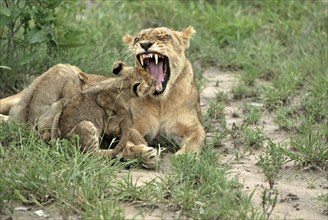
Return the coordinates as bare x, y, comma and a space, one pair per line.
60, 81
104, 109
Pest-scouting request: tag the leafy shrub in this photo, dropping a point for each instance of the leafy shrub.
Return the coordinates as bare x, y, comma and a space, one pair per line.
32, 34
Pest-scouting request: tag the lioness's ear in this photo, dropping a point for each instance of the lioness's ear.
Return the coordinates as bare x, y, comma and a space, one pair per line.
118, 67
127, 39
83, 77
186, 35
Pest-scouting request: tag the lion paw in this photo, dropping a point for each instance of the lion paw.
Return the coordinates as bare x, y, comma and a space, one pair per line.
149, 157
3, 118
180, 152
185, 150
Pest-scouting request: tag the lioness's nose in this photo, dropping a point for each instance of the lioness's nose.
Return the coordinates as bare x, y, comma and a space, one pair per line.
146, 45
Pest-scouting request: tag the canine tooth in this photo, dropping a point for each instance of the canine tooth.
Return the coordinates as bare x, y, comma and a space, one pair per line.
151, 55
156, 58
159, 87
141, 60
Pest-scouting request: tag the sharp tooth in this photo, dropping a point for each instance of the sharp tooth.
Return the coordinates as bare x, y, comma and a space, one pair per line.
159, 87
141, 60
156, 58
151, 55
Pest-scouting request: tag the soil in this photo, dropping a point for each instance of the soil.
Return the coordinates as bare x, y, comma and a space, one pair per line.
297, 188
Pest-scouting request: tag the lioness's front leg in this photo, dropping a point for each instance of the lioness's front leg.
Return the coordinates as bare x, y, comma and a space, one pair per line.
191, 131
193, 141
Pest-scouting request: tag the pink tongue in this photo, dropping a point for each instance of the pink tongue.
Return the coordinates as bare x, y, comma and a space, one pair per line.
156, 71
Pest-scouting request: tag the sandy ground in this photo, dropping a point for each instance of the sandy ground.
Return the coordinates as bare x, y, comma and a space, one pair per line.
298, 189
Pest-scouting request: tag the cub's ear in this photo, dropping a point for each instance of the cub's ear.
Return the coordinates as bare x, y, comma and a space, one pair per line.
118, 67
83, 77
127, 39
186, 35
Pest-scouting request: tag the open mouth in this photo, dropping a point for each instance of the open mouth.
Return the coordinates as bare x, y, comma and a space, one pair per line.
158, 66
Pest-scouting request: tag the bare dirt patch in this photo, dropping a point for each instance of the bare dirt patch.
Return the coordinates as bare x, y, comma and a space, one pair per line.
298, 189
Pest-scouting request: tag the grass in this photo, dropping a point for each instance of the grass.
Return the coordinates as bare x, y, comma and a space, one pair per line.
92, 187
285, 119
61, 174
254, 138
310, 149
252, 114
271, 162
279, 48
198, 182
324, 199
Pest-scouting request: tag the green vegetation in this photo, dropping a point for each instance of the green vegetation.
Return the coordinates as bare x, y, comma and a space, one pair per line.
324, 199
309, 149
254, 138
278, 47
252, 114
284, 118
271, 162
94, 188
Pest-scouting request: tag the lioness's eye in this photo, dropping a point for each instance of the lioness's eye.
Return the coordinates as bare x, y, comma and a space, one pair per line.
136, 40
164, 37
167, 37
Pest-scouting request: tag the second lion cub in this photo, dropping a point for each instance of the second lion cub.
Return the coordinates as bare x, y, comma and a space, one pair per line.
104, 109
60, 81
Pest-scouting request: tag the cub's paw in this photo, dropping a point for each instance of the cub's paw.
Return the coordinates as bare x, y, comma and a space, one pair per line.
149, 157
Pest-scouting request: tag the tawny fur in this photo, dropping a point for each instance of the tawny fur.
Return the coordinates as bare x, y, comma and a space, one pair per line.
7, 103
176, 111
3, 118
104, 109
60, 81
48, 122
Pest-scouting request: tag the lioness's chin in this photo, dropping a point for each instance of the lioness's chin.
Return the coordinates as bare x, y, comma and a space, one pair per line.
158, 66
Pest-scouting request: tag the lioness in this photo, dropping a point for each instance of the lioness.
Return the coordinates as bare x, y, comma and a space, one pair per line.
174, 108
60, 81
104, 108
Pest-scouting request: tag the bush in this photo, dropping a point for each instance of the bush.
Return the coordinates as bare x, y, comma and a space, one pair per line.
32, 36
